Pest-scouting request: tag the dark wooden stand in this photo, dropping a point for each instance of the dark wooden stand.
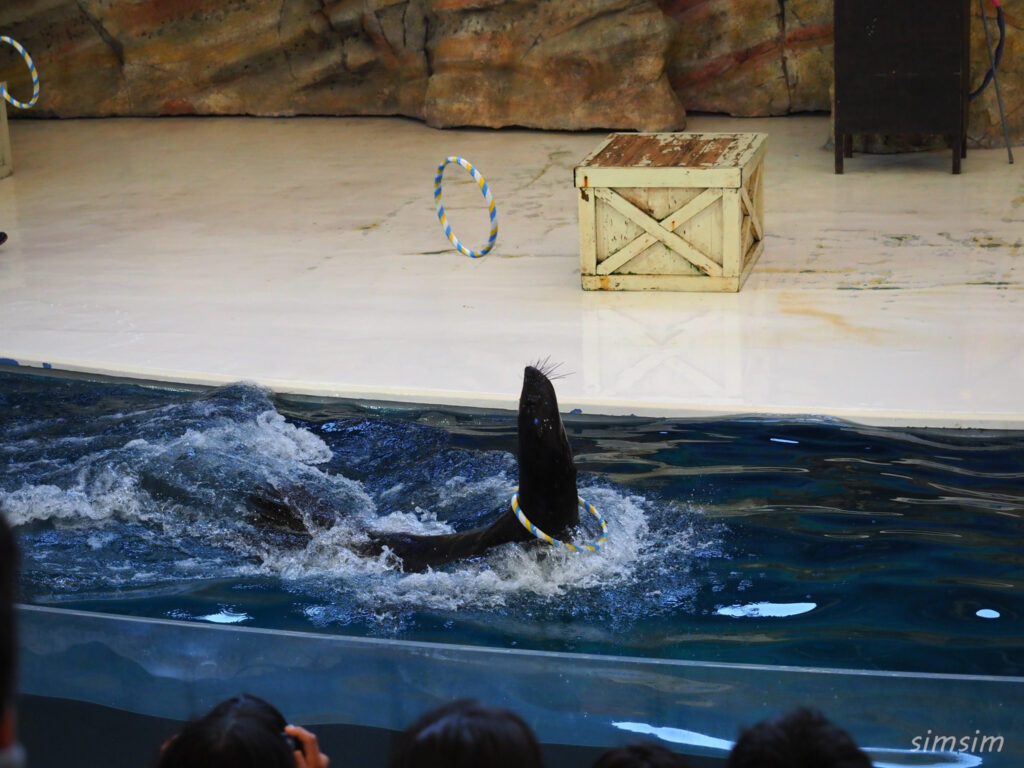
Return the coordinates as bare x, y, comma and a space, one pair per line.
901, 67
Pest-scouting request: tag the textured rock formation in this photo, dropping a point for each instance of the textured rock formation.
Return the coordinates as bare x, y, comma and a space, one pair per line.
547, 64
559, 64
751, 57
262, 57
550, 64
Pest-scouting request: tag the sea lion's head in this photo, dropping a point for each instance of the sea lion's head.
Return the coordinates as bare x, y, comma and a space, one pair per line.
547, 474
539, 421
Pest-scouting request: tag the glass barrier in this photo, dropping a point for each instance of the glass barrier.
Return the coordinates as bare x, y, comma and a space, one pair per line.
176, 670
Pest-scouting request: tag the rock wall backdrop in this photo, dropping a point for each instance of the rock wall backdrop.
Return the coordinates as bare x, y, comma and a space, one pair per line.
553, 64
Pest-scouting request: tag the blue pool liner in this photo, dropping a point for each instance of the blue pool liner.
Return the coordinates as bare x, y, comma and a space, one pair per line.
177, 670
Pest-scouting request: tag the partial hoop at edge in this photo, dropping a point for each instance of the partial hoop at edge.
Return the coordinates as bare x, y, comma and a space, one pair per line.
32, 70
491, 208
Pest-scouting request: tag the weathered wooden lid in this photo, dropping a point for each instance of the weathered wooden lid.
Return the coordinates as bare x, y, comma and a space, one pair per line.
671, 160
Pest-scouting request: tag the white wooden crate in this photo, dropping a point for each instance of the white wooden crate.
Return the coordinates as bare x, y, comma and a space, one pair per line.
6, 164
671, 211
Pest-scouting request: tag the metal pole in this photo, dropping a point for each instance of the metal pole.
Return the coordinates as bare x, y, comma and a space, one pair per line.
995, 79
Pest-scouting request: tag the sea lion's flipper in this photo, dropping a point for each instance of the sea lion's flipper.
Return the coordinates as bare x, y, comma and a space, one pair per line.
413, 550
291, 508
420, 551
547, 494
272, 509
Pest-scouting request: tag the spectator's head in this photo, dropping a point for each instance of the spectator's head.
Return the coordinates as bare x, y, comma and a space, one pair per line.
641, 755
803, 738
243, 732
8, 640
466, 734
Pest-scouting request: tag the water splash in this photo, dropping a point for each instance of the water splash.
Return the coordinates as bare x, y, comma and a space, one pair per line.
136, 501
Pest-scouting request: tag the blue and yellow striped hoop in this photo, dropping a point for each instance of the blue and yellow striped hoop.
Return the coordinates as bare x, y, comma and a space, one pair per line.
555, 542
32, 70
491, 208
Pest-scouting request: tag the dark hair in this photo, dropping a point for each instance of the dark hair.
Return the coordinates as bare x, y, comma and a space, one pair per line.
644, 754
466, 734
8, 636
243, 732
803, 738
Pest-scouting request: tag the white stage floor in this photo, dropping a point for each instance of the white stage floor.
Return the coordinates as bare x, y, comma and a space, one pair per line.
305, 254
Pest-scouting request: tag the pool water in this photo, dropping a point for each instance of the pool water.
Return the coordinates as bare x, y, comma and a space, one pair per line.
800, 542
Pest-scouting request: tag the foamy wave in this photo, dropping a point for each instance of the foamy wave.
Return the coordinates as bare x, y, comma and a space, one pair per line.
48, 502
419, 521
106, 495
267, 438
506, 573
275, 436
176, 480
498, 580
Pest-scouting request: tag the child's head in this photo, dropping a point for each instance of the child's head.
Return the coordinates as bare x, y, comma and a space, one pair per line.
466, 734
640, 755
242, 732
803, 738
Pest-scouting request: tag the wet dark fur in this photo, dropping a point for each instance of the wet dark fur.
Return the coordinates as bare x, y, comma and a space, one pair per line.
547, 491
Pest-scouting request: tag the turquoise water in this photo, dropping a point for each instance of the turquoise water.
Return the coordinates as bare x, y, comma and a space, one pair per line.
766, 541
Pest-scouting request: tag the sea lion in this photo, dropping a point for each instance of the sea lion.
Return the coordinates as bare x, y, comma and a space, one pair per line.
547, 491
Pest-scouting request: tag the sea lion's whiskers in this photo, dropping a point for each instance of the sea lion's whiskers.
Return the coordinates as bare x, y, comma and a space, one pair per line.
551, 370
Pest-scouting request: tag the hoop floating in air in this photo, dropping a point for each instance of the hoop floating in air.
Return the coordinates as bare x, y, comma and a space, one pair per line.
32, 70
491, 208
